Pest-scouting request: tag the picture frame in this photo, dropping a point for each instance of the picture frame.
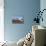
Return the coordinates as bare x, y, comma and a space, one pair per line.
18, 20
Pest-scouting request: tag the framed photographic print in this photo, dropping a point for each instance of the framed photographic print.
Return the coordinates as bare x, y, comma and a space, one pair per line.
18, 20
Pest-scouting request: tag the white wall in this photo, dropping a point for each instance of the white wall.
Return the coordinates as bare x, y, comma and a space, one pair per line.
43, 6
1, 20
